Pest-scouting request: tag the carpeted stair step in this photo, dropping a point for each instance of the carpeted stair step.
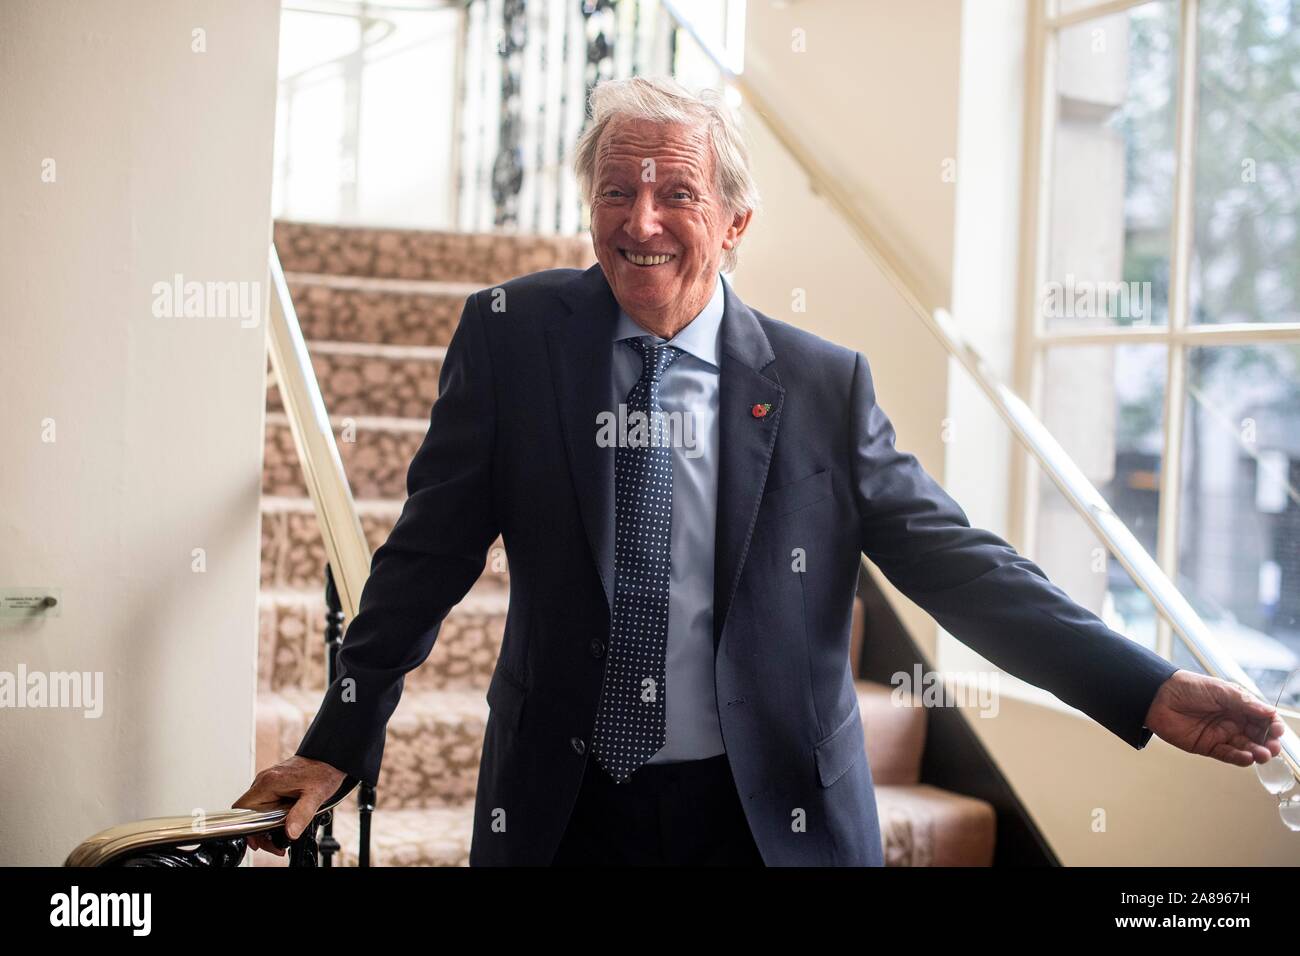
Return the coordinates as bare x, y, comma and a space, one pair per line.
378, 311
365, 380
291, 650
431, 749
293, 553
438, 836
484, 258
376, 455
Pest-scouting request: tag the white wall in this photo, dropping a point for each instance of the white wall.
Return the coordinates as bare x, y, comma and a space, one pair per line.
874, 95
162, 165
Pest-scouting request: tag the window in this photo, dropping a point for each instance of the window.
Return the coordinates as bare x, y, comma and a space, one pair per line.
1163, 319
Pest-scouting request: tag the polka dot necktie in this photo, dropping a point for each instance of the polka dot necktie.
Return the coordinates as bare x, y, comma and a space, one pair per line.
630, 726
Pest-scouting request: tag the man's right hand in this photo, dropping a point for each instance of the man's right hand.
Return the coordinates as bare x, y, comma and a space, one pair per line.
306, 782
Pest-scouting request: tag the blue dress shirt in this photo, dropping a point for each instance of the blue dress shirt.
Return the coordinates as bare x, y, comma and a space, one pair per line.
689, 386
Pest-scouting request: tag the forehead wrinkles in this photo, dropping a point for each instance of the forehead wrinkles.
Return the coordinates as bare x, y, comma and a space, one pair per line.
688, 148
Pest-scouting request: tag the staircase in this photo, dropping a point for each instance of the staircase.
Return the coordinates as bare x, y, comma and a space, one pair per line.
378, 308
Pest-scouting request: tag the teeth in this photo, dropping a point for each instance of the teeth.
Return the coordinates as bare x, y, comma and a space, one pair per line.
645, 260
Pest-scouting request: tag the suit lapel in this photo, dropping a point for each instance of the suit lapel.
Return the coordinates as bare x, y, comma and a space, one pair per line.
580, 356
745, 444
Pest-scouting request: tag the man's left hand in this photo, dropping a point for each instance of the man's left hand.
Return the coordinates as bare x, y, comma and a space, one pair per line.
1210, 717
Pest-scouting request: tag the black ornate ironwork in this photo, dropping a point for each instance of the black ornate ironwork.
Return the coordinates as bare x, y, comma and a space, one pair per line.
225, 851
366, 805
508, 167
606, 38
601, 27
333, 641
304, 850
220, 852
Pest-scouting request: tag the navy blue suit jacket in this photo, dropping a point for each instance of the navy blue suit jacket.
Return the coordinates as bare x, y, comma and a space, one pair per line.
511, 450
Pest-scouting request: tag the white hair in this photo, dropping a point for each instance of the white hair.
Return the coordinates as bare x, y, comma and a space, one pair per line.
664, 100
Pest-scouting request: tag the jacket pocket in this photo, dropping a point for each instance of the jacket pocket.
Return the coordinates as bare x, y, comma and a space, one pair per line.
845, 746
797, 494
505, 695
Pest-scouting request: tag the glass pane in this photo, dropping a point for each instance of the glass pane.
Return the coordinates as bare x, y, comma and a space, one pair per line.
1111, 193
1075, 559
1247, 258
362, 123
1105, 405
1122, 387
1239, 529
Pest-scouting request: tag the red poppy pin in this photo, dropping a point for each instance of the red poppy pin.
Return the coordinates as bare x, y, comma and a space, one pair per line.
760, 411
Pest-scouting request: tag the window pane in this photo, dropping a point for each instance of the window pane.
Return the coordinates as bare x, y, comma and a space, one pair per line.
1075, 559
1105, 405
1247, 262
1239, 530
1111, 193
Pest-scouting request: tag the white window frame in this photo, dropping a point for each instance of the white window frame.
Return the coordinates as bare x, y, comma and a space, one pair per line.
1178, 336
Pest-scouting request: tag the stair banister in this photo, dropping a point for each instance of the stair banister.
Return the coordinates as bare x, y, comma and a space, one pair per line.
346, 548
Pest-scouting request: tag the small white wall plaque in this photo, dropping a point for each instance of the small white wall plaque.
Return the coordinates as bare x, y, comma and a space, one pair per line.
30, 602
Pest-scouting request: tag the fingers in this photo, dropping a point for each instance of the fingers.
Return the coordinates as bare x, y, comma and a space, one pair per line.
1232, 755
1267, 735
1262, 725
259, 841
1253, 707
1241, 751
1260, 754
300, 815
266, 793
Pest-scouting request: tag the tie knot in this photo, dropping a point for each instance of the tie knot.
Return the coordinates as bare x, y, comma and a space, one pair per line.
655, 358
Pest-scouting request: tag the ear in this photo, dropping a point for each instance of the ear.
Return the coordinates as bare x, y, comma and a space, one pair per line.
739, 223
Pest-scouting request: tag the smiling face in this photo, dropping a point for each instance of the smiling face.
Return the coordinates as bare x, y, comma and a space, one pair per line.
658, 223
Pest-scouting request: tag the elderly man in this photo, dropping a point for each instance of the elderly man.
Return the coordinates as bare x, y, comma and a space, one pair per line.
674, 685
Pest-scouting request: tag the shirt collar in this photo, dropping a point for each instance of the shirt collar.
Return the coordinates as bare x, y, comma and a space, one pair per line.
699, 337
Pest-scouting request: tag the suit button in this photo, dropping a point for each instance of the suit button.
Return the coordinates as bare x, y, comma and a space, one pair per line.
597, 648
578, 746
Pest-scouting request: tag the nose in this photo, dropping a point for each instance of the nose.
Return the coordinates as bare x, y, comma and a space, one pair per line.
643, 219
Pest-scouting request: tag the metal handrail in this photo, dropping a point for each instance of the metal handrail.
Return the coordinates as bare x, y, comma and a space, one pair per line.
1025, 426
130, 839
346, 548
